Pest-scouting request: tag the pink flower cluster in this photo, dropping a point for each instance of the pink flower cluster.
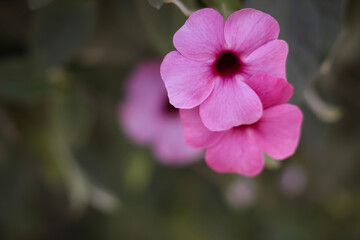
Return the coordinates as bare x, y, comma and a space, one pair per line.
148, 119
229, 80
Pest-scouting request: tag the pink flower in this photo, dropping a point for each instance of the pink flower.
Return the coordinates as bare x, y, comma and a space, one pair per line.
241, 193
240, 149
148, 118
214, 60
293, 180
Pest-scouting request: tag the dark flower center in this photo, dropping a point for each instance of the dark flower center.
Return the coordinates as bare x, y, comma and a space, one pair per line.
170, 109
227, 64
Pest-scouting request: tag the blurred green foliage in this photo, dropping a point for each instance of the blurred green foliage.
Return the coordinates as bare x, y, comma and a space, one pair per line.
35, 4
61, 29
68, 172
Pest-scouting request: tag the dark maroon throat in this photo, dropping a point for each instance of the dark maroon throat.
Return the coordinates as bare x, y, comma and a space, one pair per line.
227, 64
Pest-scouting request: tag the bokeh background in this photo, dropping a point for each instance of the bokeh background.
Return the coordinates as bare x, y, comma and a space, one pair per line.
67, 171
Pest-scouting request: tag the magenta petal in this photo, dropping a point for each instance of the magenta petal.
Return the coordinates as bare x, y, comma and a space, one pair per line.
231, 103
145, 83
271, 90
136, 123
187, 82
278, 130
145, 94
195, 133
146, 118
170, 147
237, 152
202, 35
248, 29
269, 58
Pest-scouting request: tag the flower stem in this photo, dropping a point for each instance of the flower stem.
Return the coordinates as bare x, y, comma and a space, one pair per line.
323, 110
226, 12
186, 11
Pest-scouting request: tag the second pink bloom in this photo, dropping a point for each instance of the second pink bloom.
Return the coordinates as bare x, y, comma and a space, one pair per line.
241, 149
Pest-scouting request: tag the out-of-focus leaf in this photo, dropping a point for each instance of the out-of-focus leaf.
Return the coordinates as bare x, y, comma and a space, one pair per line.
116, 42
156, 3
137, 172
330, 143
229, 4
21, 205
61, 30
160, 26
80, 189
20, 83
58, 150
35, 4
103, 200
271, 163
71, 107
225, 7
310, 27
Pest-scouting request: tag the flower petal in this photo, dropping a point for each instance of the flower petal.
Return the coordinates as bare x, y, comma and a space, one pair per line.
137, 122
269, 58
231, 103
278, 130
145, 93
195, 133
144, 83
170, 147
247, 29
271, 90
202, 35
237, 152
187, 82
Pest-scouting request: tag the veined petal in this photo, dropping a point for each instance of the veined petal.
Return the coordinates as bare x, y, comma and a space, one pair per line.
271, 90
269, 58
237, 152
232, 103
195, 133
247, 29
187, 82
278, 130
202, 35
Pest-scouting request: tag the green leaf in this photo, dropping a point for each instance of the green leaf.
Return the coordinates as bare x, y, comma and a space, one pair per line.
156, 3
35, 4
61, 30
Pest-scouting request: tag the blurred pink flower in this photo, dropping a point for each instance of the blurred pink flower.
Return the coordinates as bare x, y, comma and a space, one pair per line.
214, 59
148, 118
240, 149
241, 193
293, 180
